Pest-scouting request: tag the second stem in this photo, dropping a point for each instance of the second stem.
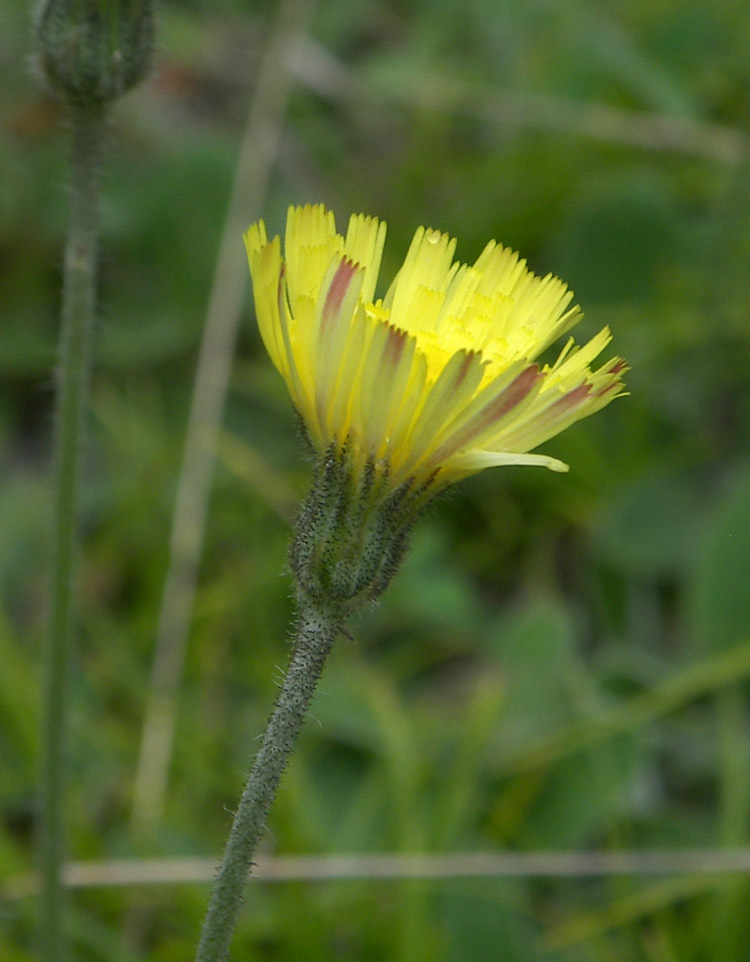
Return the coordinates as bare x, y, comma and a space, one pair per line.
79, 286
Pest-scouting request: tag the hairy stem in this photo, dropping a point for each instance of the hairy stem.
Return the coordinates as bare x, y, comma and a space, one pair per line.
79, 276
315, 636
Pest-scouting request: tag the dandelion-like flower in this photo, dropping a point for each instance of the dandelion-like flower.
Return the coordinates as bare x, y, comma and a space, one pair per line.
403, 395
441, 377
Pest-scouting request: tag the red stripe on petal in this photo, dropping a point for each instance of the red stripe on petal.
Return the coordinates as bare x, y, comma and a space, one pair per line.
458, 376
280, 290
610, 387
463, 370
509, 398
615, 383
337, 290
493, 411
571, 399
394, 346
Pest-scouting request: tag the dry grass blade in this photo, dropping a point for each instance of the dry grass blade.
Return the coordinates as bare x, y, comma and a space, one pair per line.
323, 868
257, 155
318, 69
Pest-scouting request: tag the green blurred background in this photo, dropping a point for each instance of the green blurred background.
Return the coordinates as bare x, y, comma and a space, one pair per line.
562, 663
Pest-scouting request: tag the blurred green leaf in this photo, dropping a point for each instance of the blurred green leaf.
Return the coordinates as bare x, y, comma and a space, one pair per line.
617, 236
650, 526
488, 922
534, 648
718, 600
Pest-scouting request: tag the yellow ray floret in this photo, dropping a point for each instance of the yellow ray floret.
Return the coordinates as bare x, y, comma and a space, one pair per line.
440, 378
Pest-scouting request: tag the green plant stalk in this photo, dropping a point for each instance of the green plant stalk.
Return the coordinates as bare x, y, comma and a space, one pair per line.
79, 291
316, 634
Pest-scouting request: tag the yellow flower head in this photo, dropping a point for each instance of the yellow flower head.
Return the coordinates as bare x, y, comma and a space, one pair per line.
439, 378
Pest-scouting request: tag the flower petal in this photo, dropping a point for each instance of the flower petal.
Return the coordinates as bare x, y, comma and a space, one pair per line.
440, 378
474, 461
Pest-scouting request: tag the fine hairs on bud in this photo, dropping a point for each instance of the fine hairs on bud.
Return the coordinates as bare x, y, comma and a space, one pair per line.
93, 51
351, 533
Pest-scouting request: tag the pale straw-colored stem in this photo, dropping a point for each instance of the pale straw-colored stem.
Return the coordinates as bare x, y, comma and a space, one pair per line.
256, 159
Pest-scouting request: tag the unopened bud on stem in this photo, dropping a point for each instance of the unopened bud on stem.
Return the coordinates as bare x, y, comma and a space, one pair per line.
93, 51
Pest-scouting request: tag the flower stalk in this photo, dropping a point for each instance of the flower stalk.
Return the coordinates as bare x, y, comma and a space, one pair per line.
73, 378
91, 52
349, 539
316, 633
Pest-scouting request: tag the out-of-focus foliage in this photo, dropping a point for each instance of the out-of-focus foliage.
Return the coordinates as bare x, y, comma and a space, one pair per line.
562, 662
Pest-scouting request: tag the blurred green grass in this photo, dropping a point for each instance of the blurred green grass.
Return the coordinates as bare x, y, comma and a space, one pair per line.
563, 661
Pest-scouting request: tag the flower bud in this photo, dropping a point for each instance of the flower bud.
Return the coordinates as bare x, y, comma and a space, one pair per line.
351, 534
93, 51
